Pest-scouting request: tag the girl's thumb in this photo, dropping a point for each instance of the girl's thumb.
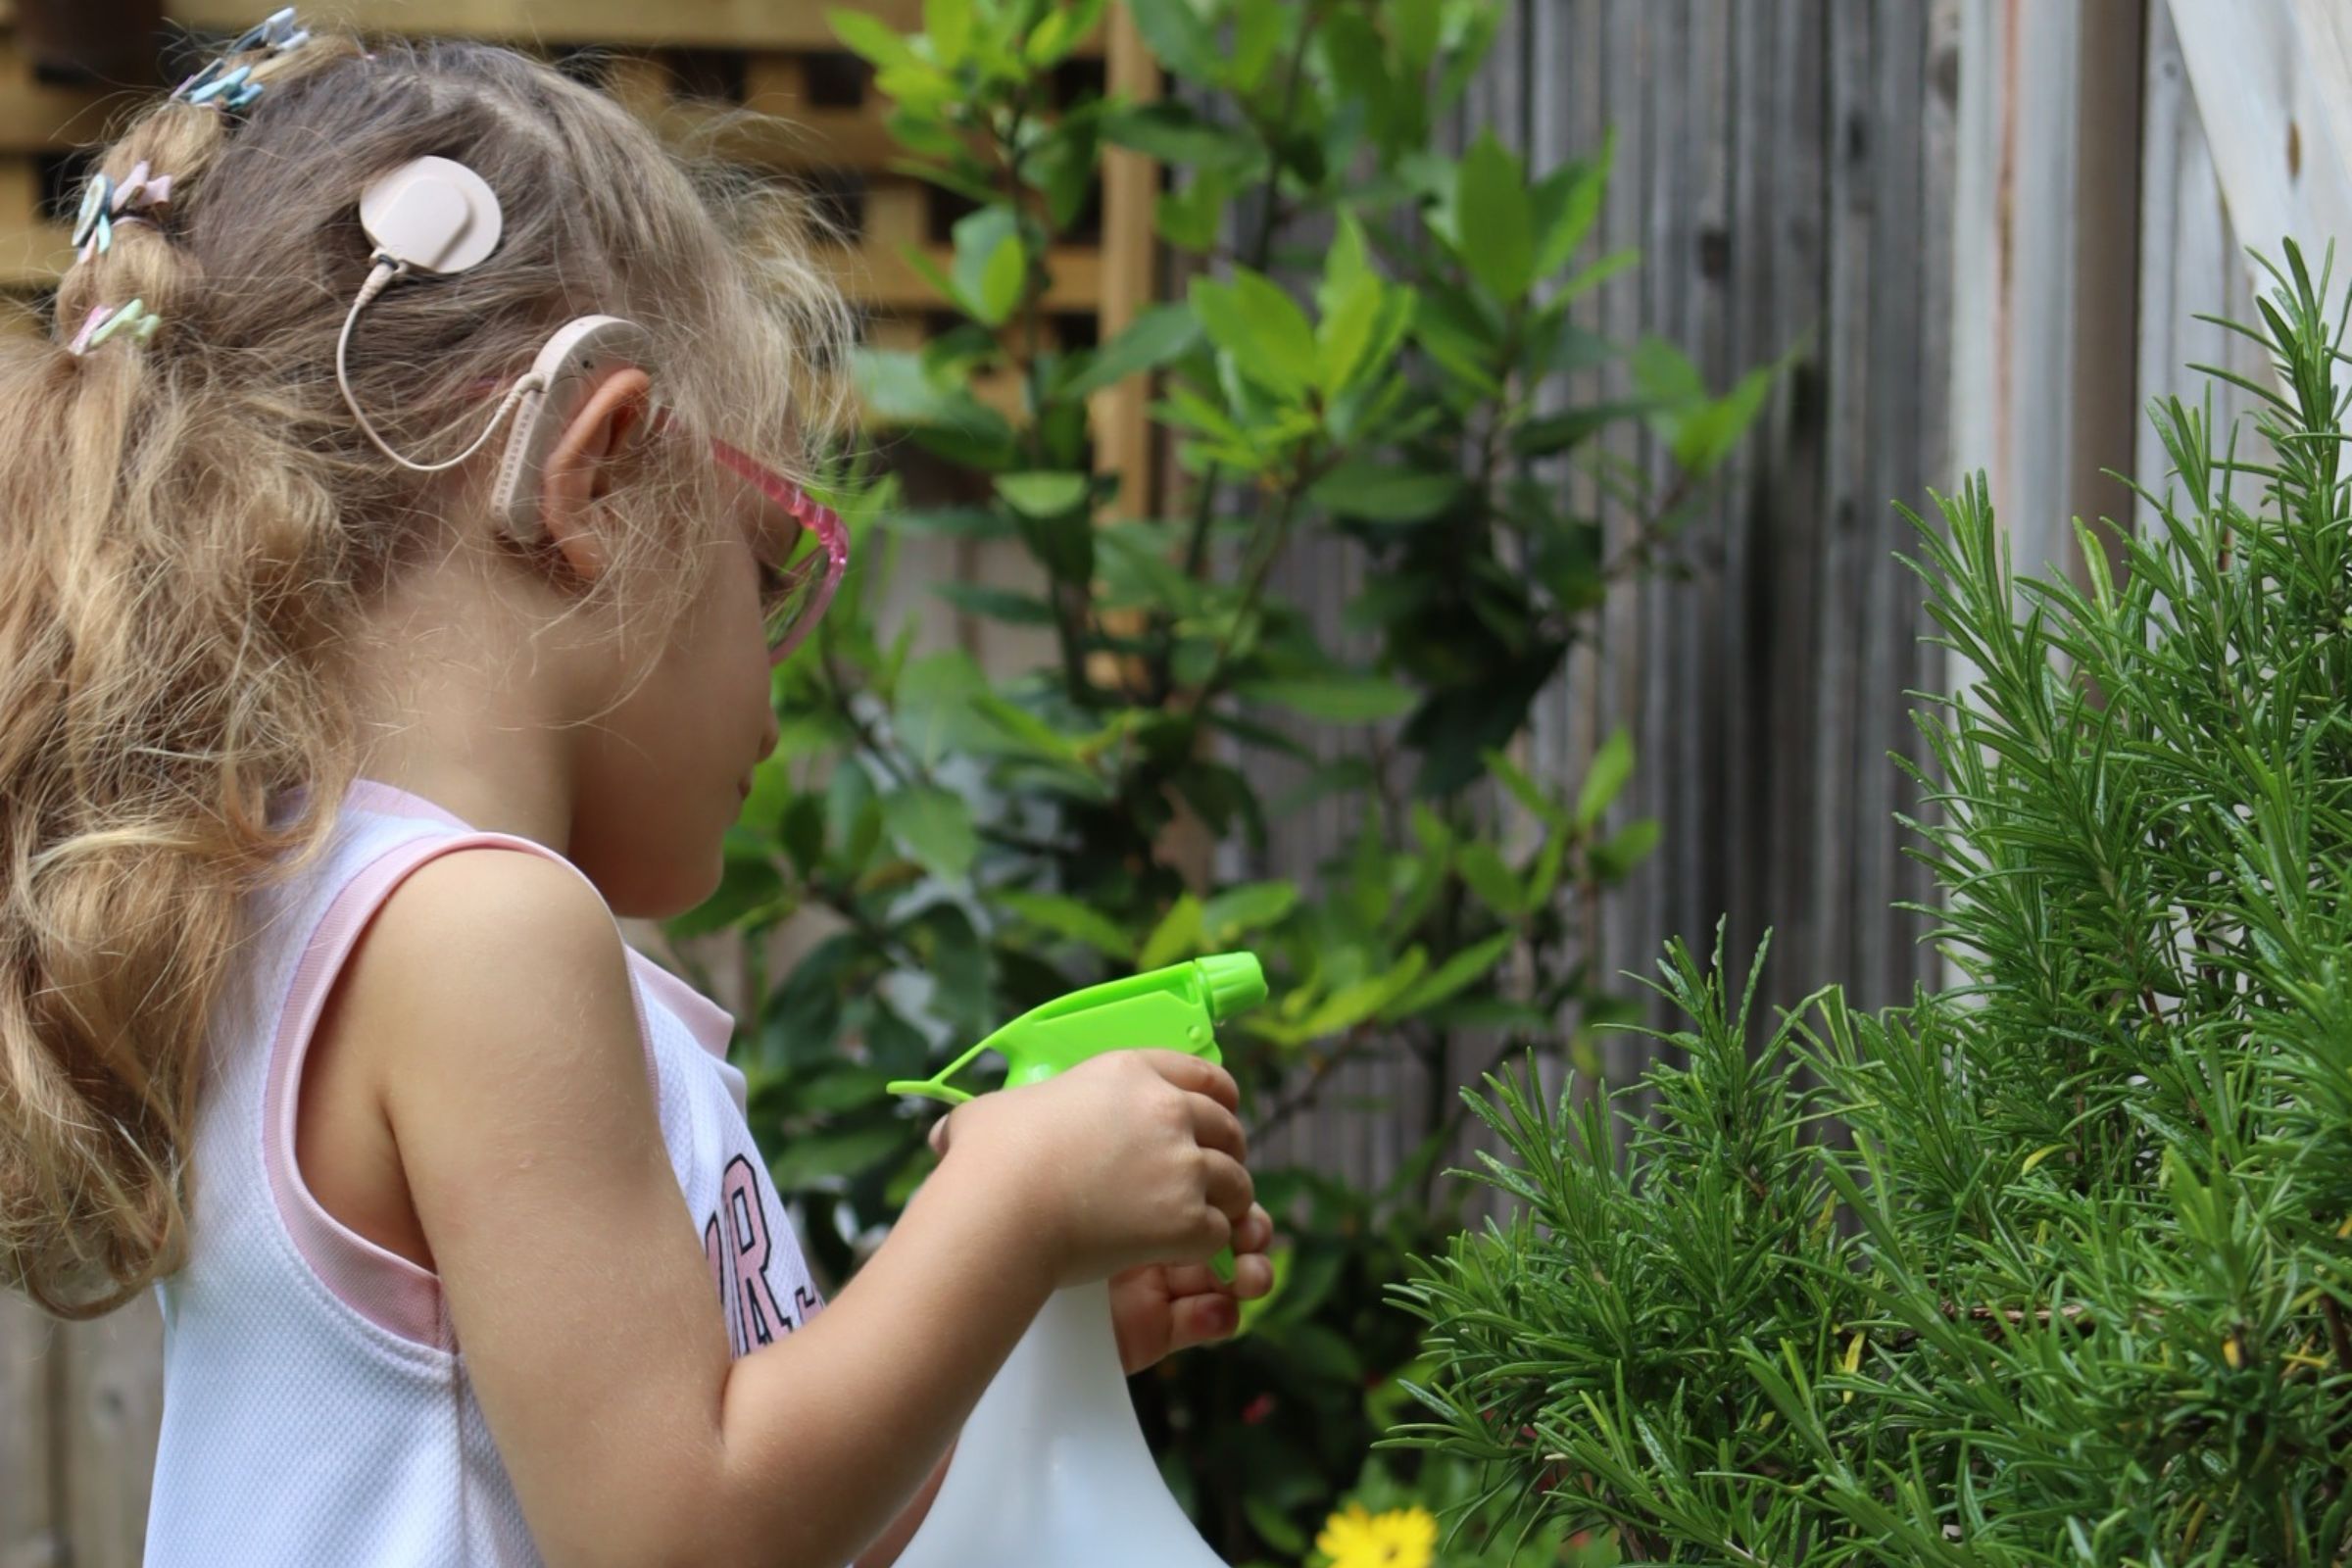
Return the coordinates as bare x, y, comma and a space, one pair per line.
939, 1134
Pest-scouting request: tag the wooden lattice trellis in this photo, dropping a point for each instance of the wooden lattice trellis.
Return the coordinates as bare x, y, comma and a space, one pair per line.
688, 68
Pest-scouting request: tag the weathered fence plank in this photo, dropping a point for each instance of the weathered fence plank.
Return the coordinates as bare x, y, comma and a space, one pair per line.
2192, 264
111, 1409
29, 1533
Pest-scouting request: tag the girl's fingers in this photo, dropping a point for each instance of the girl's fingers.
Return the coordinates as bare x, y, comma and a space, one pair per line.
1198, 1320
1252, 1277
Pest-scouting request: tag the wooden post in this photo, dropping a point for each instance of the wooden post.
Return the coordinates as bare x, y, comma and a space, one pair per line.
2273, 81
2045, 262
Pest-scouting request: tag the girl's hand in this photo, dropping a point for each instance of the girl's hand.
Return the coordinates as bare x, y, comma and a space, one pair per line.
1131, 1158
1160, 1308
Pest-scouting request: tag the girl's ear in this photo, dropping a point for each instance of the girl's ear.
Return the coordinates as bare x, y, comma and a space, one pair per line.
580, 466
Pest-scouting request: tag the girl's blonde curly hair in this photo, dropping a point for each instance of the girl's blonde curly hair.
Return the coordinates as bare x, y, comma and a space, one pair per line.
192, 525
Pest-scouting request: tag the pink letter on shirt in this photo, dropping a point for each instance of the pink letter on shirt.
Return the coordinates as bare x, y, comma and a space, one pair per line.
740, 1198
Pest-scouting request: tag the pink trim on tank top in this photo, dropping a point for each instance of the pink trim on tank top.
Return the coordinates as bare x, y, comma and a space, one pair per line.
375, 795
388, 1289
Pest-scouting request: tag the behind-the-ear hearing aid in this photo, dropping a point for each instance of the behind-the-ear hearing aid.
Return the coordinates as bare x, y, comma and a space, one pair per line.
581, 354
434, 216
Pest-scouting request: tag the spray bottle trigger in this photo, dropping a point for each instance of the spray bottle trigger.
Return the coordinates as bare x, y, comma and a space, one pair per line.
937, 1086
929, 1089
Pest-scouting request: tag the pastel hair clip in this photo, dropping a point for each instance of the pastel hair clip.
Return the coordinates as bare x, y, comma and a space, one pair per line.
277, 31
234, 88
140, 188
94, 225
133, 320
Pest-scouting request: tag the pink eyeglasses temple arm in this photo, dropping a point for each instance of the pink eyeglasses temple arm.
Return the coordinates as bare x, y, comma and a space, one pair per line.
832, 537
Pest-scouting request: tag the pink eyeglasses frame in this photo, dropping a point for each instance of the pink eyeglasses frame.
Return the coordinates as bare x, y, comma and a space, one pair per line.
832, 554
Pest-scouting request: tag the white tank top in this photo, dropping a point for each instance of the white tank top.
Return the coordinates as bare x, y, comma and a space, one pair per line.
317, 1407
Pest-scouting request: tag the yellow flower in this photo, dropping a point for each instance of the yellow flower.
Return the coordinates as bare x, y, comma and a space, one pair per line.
1401, 1537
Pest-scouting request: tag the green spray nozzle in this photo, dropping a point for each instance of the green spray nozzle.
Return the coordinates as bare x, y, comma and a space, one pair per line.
1177, 1009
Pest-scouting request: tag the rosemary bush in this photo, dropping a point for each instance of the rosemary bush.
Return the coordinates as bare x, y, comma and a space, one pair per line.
2076, 1293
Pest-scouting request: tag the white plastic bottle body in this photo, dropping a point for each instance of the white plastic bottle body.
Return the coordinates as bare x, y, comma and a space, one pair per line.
1051, 1470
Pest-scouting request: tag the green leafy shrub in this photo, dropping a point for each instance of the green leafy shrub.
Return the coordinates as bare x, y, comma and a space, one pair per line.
950, 844
2076, 1291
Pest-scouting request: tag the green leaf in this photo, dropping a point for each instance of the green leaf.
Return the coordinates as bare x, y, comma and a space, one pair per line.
949, 26
1555, 434
1564, 206
1345, 266
1251, 906
1334, 699
1611, 766
1351, 773
897, 391
1178, 933
1158, 334
1482, 869
1006, 725
1707, 434
1665, 374
1627, 848
1415, 25
1174, 132
802, 828
1043, 495
1276, 1528
1178, 36
748, 882
932, 712
1190, 216
1063, 30
1066, 916
1497, 241
990, 266
1378, 493
1008, 604
1257, 35
853, 815
934, 828
1345, 333
1351, 1004
1524, 789
871, 37
843, 1086
829, 1158
1464, 969
1261, 327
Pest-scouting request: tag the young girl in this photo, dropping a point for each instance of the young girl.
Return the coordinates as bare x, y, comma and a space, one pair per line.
326, 766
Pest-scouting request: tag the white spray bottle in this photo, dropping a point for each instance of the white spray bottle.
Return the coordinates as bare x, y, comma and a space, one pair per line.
1051, 1470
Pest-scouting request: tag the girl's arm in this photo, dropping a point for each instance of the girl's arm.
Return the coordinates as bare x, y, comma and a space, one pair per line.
491, 1007
892, 1542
